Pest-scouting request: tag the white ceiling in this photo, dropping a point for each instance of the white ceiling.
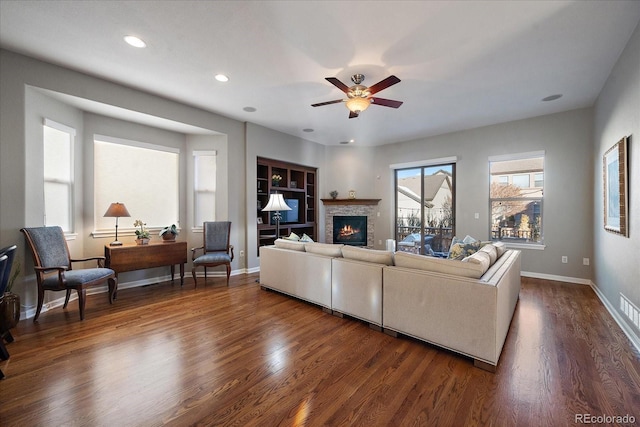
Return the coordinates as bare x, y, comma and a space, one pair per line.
463, 64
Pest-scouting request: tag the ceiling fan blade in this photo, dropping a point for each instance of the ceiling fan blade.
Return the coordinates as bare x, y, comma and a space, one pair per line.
386, 102
337, 83
383, 84
326, 103
353, 114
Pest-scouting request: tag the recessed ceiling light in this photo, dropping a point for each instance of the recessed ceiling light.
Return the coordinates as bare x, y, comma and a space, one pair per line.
135, 41
552, 97
222, 78
307, 130
344, 142
249, 109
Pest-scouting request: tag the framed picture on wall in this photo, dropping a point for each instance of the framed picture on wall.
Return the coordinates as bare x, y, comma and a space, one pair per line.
615, 177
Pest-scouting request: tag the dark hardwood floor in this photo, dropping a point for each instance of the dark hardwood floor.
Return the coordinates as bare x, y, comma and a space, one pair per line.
166, 355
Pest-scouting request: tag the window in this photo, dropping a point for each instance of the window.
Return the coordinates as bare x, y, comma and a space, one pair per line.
58, 174
516, 208
425, 208
145, 177
521, 181
204, 187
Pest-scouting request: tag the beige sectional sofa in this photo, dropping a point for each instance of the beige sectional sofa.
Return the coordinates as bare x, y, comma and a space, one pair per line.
465, 306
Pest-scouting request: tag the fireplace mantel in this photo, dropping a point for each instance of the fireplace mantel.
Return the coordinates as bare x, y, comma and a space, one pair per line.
346, 202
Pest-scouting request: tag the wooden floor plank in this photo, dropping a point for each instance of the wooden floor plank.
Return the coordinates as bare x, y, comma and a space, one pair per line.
240, 355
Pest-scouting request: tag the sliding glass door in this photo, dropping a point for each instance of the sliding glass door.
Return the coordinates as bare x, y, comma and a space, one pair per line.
425, 209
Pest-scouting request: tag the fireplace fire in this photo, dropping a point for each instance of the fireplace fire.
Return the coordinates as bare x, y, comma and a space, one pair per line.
350, 230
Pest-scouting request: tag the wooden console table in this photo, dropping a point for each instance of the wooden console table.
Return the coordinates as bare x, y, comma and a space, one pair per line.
156, 254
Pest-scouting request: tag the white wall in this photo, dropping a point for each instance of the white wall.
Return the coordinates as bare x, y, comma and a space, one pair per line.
617, 114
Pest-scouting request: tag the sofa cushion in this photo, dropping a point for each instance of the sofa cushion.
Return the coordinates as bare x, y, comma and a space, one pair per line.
483, 259
327, 249
491, 250
368, 255
501, 248
289, 244
293, 236
439, 265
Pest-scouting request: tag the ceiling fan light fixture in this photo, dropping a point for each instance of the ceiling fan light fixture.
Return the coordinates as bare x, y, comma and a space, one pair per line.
358, 105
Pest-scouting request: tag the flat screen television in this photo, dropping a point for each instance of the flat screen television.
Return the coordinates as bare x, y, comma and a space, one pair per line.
289, 216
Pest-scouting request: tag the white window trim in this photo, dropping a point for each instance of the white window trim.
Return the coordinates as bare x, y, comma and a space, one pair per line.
71, 234
132, 143
518, 156
196, 153
424, 163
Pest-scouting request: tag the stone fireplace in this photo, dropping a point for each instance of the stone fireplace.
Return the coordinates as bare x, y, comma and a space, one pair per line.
355, 213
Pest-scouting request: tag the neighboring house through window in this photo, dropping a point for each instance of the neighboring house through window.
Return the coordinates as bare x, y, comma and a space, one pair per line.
58, 141
425, 207
516, 197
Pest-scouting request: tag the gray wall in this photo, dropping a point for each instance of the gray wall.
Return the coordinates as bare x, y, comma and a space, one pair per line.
565, 138
617, 114
264, 142
21, 111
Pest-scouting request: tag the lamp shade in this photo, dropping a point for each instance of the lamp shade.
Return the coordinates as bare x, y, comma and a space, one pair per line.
116, 210
358, 104
276, 203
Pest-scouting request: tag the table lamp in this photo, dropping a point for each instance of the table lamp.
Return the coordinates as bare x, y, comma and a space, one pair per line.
276, 204
116, 210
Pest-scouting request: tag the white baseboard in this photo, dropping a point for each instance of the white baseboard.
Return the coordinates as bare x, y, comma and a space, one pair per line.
628, 331
556, 278
30, 312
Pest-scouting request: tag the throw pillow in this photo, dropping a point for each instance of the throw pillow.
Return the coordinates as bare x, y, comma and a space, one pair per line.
293, 236
306, 238
461, 250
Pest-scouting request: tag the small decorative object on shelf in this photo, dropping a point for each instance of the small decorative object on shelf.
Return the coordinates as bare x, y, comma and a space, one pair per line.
333, 194
143, 235
352, 194
294, 184
169, 234
275, 180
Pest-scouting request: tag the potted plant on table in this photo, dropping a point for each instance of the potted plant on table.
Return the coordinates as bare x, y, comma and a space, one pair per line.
169, 233
143, 235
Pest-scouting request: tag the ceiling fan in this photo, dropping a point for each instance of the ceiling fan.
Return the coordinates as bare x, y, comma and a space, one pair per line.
360, 96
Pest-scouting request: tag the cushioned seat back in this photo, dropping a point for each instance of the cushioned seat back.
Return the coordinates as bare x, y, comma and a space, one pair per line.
49, 246
216, 235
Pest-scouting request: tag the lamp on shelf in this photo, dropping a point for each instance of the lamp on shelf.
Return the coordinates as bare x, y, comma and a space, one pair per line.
276, 204
116, 210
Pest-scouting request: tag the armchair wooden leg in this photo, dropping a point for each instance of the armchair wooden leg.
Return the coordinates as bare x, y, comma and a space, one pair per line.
113, 286
4, 354
66, 300
82, 294
228, 273
195, 281
40, 302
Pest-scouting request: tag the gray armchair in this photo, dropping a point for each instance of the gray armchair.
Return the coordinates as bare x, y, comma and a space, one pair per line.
54, 272
216, 248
